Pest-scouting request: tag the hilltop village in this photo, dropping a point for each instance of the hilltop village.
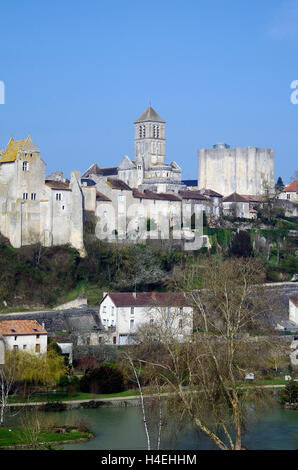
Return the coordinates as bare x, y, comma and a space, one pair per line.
124, 199
122, 260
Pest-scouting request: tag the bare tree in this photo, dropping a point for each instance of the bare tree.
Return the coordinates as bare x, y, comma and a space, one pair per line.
206, 370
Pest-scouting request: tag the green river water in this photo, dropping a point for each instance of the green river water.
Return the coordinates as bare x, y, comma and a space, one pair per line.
123, 429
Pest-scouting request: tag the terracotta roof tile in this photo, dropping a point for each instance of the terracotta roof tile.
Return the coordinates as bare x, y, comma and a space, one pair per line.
292, 187
234, 197
21, 327
192, 195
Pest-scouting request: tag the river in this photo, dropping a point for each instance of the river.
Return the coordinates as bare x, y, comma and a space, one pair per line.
122, 429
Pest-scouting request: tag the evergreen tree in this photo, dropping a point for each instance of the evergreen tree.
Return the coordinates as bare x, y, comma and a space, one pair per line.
279, 184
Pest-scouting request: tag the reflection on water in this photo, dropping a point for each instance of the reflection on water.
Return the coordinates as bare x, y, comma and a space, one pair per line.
122, 428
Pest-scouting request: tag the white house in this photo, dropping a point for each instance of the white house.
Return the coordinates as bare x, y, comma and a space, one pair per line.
293, 309
24, 335
122, 313
290, 192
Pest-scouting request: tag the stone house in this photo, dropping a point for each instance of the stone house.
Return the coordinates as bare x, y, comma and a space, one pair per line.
24, 335
123, 313
290, 192
34, 209
236, 205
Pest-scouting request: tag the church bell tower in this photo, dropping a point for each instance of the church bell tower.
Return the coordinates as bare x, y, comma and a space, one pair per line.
150, 142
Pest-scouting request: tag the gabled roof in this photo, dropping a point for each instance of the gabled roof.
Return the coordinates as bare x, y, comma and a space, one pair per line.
126, 163
149, 115
161, 196
234, 197
58, 185
292, 187
210, 192
189, 194
148, 299
95, 170
21, 327
11, 151
118, 184
102, 197
252, 198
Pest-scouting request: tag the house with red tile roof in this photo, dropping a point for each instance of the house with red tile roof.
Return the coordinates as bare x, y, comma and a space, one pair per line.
290, 192
24, 335
123, 313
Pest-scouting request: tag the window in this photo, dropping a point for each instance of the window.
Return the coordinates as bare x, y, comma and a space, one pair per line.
15, 338
104, 309
112, 311
180, 323
104, 213
58, 196
132, 324
151, 322
25, 196
288, 196
156, 132
33, 196
37, 348
100, 339
16, 347
25, 346
63, 207
25, 166
142, 132
132, 310
37, 336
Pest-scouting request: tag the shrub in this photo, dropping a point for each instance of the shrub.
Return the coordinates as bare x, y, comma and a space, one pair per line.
102, 380
290, 393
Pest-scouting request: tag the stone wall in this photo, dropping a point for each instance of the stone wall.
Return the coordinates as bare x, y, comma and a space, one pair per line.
240, 170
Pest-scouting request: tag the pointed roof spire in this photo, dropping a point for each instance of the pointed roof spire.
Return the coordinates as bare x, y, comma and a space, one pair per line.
149, 115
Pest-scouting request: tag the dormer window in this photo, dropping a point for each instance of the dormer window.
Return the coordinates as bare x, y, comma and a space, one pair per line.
25, 166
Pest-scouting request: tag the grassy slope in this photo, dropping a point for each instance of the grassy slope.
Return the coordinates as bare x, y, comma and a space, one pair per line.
15, 436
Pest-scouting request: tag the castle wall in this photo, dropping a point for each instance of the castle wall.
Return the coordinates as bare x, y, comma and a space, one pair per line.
241, 170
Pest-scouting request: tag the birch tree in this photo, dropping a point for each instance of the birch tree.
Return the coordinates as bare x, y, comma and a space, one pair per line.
205, 372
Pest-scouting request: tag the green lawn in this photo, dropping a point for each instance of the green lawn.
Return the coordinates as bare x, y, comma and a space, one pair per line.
17, 436
62, 396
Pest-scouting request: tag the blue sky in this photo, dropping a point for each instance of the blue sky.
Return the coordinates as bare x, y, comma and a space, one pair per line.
78, 73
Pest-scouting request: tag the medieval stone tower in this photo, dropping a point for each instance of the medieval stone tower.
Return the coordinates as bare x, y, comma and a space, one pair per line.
150, 143
242, 170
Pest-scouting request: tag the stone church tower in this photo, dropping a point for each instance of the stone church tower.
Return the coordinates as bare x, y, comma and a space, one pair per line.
150, 142
148, 170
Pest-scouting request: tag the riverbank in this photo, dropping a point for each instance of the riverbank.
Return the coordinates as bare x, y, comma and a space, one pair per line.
122, 399
21, 438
